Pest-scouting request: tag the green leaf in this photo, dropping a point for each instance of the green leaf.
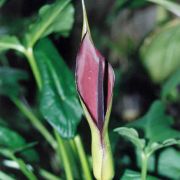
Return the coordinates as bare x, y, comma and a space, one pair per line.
160, 52
5, 176
58, 104
13, 141
133, 175
156, 146
57, 17
132, 135
10, 139
169, 5
170, 88
9, 79
156, 124
169, 163
10, 42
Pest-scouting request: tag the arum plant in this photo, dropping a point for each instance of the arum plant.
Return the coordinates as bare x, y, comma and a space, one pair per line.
95, 81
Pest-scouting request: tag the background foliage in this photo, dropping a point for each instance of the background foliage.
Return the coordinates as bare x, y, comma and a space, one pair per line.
38, 100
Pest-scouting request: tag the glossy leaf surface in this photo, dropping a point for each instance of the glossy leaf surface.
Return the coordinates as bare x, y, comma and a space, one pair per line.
58, 104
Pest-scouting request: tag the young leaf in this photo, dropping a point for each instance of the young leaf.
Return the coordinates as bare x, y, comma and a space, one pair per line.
56, 17
160, 52
155, 146
10, 42
169, 5
9, 79
58, 103
156, 124
133, 175
170, 87
132, 135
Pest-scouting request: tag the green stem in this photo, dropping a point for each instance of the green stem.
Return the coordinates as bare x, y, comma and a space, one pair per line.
30, 56
144, 166
83, 159
65, 158
35, 121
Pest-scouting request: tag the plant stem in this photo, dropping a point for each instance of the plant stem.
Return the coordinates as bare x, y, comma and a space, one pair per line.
83, 159
30, 56
65, 158
144, 159
35, 121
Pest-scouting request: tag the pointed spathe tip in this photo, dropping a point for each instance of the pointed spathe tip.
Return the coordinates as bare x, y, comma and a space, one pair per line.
85, 28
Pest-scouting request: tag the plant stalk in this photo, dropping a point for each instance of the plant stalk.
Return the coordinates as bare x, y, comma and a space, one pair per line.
144, 159
64, 155
35, 121
83, 159
30, 56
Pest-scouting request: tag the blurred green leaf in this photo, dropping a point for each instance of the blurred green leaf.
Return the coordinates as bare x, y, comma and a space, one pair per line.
13, 141
9, 81
169, 5
4, 176
58, 103
170, 88
169, 163
160, 52
56, 17
133, 175
2, 2
132, 135
10, 42
10, 139
156, 124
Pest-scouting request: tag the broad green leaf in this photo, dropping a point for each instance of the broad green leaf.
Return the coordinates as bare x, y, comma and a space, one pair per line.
57, 17
170, 87
58, 103
10, 42
9, 81
160, 52
133, 175
169, 163
5, 176
169, 5
132, 135
156, 124
10, 139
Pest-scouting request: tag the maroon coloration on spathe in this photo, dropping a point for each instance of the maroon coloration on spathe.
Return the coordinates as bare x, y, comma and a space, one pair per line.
93, 84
